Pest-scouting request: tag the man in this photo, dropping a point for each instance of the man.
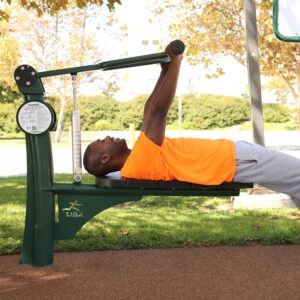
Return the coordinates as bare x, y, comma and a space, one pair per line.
201, 161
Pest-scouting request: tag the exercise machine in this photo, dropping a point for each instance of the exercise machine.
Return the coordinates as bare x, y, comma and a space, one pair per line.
56, 211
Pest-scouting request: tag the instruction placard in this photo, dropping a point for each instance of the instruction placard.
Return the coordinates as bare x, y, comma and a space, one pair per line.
34, 117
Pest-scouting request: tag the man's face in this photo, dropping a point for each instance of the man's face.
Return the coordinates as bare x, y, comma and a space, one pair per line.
110, 145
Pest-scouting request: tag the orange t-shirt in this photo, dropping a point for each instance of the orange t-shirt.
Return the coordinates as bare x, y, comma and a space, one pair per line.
201, 161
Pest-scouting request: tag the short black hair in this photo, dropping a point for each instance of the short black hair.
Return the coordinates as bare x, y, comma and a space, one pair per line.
91, 162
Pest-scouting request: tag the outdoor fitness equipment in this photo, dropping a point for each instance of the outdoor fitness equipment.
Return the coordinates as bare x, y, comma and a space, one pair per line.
56, 211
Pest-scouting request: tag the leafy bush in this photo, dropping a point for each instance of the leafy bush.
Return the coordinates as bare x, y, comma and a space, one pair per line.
103, 125
8, 95
96, 113
105, 113
211, 111
131, 112
275, 113
8, 123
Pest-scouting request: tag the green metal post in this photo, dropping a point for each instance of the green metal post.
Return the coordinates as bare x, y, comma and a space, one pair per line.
38, 243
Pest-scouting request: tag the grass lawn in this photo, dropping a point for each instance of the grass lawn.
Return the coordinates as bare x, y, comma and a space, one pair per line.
155, 222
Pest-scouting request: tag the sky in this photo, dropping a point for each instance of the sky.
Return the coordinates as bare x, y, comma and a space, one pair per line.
136, 14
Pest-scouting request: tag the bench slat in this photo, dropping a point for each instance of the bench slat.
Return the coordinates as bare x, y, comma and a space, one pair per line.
115, 180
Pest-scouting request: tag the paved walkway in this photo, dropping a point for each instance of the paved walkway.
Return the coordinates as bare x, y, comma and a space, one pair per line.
250, 272
13, 159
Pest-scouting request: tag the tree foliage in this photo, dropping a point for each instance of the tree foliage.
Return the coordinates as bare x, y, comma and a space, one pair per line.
9, 55
213, 29
8, 95
54, 6
69, 38
218, 28
8, 124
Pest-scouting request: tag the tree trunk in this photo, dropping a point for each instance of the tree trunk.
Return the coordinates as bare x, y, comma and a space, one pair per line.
295, 95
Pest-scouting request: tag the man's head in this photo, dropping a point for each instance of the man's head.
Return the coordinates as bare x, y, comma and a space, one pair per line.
105, 156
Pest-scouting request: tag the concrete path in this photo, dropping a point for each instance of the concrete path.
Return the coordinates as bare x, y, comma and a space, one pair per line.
13, 159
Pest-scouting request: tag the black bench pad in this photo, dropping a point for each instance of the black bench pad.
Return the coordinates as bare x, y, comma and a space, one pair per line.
115, 180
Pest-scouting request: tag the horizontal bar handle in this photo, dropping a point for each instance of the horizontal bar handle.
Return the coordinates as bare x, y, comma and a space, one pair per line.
111, 64
176, 46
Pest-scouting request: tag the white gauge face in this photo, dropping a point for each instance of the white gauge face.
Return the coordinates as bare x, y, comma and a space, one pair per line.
35, 117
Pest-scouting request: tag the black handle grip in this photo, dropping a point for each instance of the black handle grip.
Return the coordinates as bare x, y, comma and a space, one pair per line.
177, 47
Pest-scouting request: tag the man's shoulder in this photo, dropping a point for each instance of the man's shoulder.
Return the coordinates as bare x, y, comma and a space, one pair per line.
143, 139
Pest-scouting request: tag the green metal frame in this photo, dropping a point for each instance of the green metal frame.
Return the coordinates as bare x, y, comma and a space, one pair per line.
76, 202
276, 25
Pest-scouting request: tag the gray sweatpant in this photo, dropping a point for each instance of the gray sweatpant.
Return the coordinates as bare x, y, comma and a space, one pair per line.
272, 169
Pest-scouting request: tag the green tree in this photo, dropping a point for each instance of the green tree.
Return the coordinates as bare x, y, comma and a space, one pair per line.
213, 29
9, 57
278, 88
53, 6
8, 95
66, 39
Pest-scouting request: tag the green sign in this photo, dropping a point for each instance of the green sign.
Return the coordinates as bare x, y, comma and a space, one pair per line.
286, 20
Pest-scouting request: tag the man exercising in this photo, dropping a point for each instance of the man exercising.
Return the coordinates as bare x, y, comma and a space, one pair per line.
200, 161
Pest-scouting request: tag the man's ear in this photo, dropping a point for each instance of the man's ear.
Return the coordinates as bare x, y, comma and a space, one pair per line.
104, 158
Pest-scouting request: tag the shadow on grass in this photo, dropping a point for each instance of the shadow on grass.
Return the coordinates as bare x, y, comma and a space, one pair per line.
155, 222
167, 223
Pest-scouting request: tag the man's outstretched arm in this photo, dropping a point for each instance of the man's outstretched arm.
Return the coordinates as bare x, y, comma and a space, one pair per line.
157, 106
